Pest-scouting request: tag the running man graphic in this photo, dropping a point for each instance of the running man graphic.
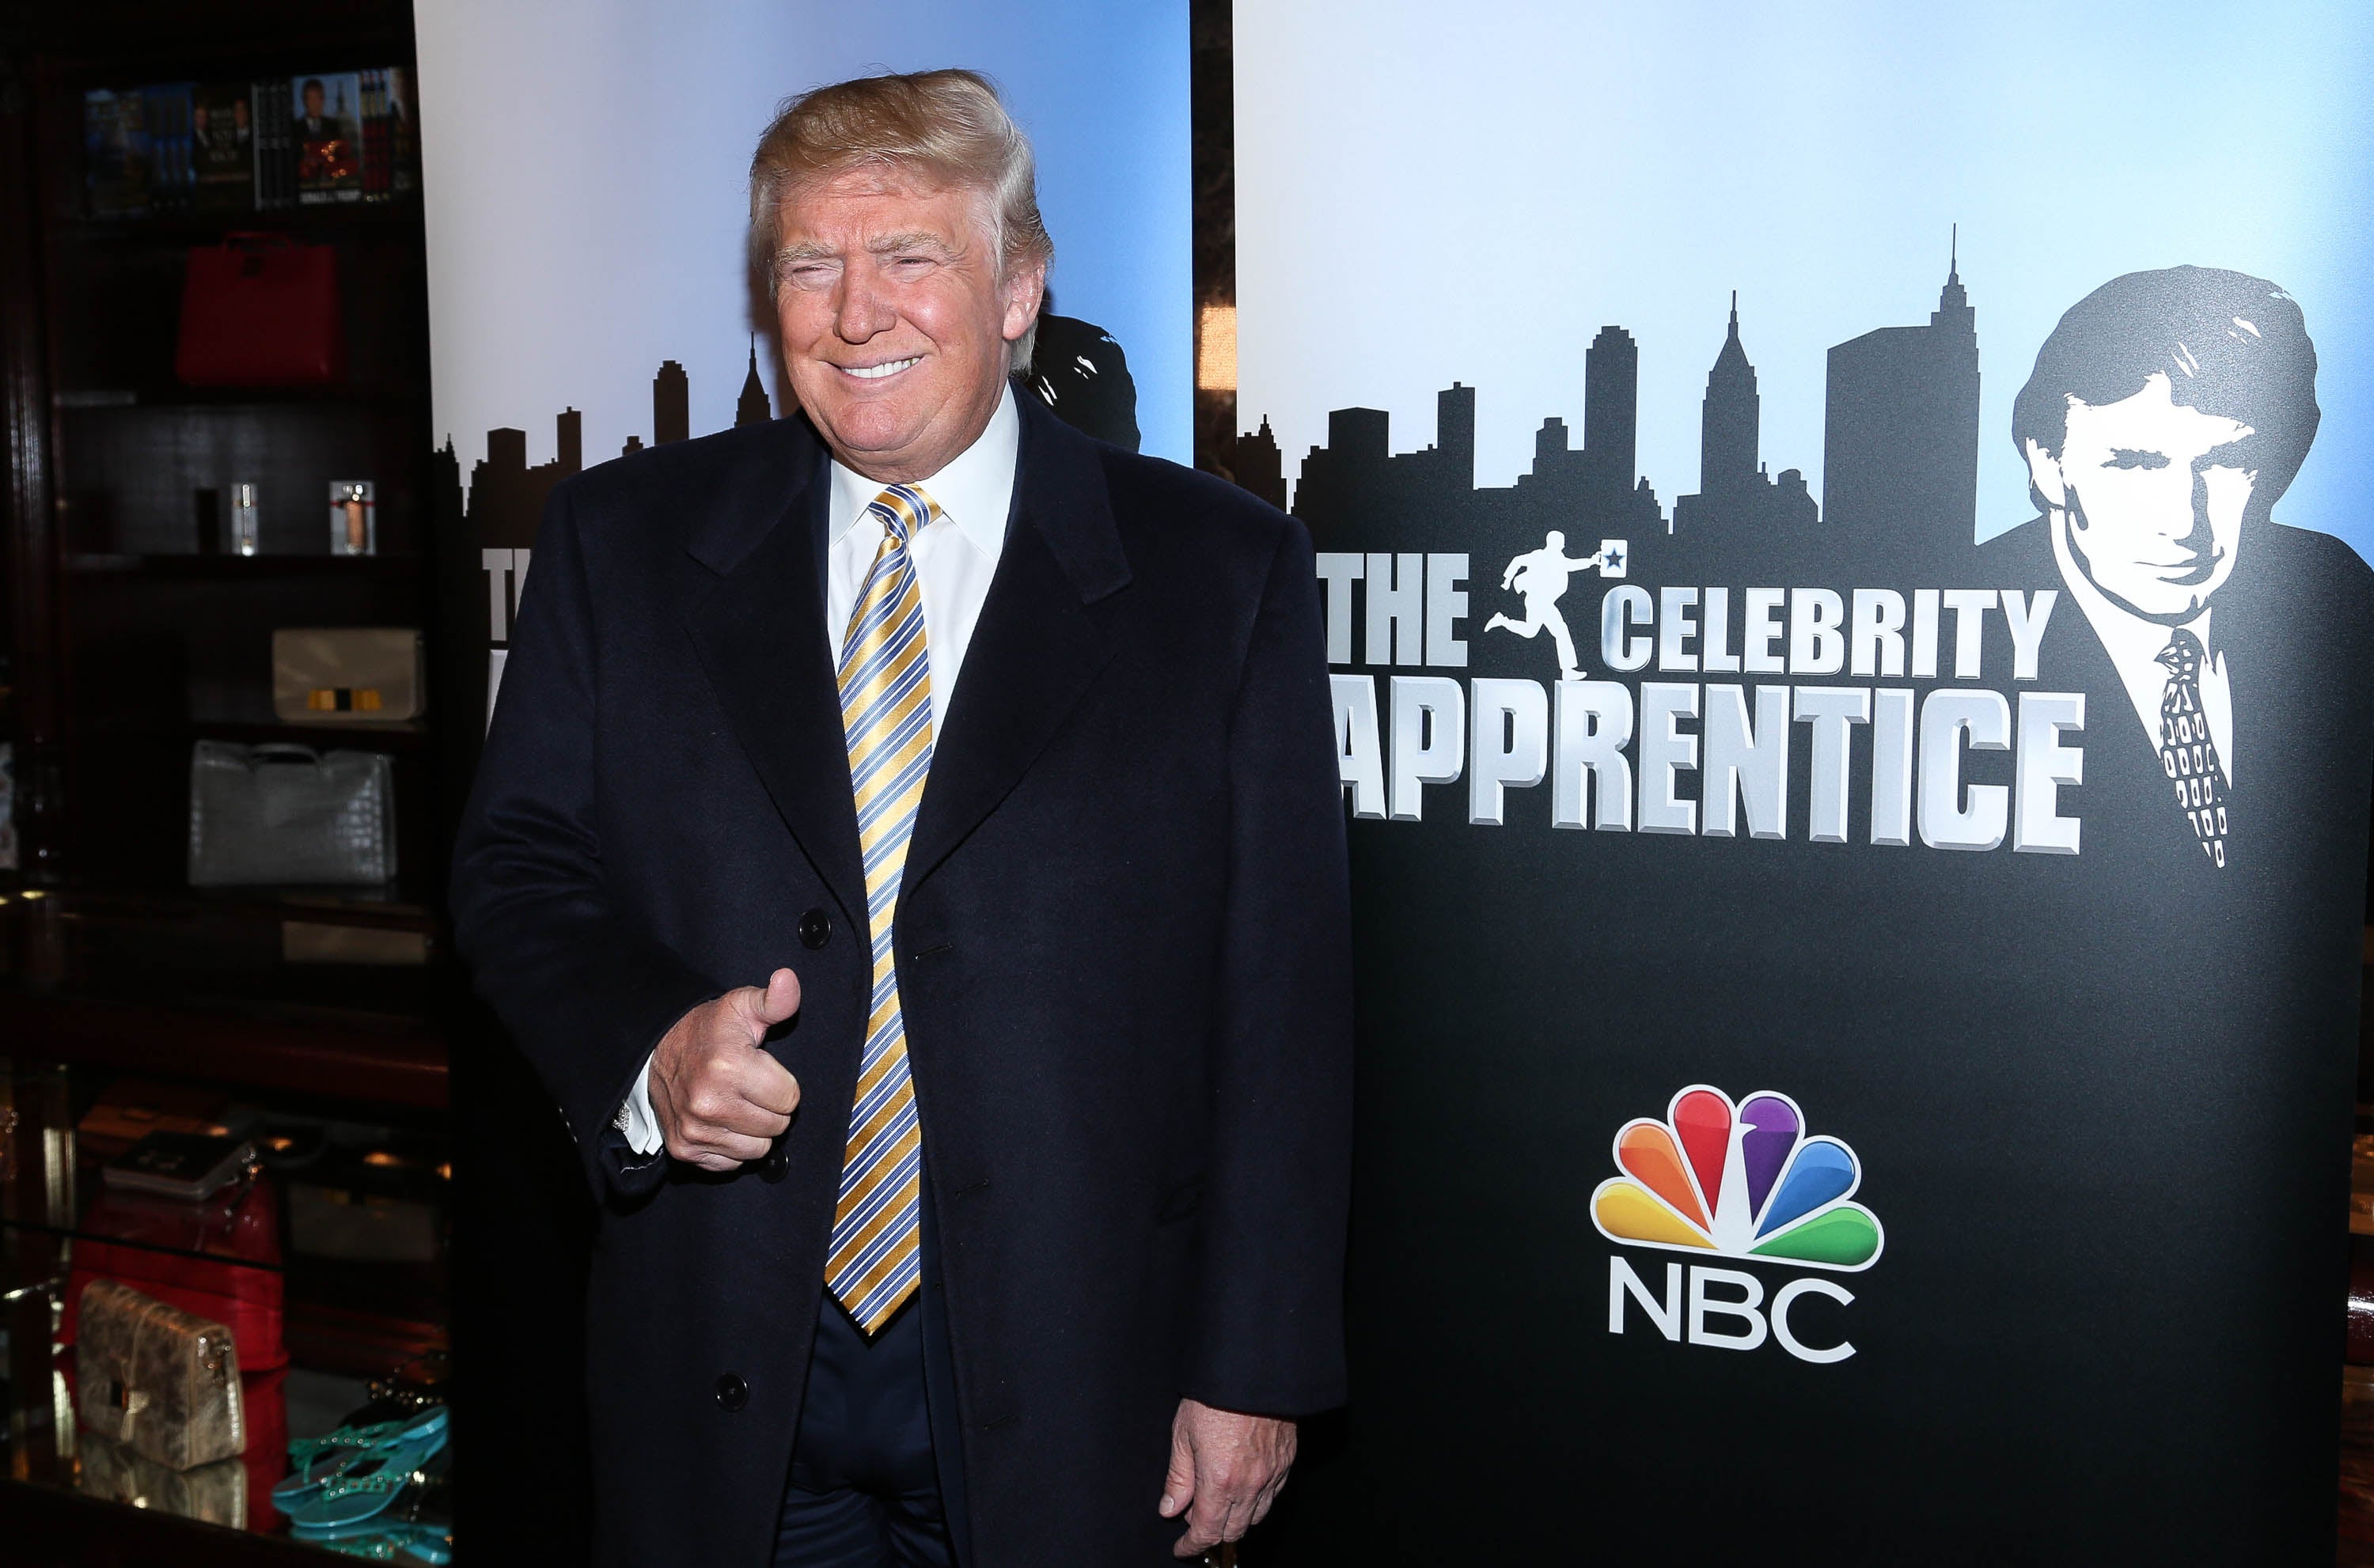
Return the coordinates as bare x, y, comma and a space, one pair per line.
1540, 577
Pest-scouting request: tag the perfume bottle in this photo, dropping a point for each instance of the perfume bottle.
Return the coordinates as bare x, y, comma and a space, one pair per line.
354, 523
244, 526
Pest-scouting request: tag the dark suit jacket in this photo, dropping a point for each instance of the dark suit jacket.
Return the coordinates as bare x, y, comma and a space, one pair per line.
2196, 1091
1122, 951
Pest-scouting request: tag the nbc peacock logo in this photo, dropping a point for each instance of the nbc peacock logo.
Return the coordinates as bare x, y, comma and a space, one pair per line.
1737, 1181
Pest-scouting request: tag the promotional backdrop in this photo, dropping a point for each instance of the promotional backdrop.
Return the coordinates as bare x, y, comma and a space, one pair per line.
1839, 528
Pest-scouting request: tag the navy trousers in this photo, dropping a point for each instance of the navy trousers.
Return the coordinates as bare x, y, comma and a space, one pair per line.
876, 1478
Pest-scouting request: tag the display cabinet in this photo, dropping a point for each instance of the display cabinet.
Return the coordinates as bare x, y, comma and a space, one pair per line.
160, 528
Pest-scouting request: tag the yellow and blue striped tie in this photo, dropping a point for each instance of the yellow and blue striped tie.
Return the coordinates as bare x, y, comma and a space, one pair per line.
885, 713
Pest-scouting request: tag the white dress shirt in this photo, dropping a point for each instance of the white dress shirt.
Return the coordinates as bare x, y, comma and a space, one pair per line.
2135, 646
953, 559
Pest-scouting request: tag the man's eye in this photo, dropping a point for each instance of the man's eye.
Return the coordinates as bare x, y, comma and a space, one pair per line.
2128, 457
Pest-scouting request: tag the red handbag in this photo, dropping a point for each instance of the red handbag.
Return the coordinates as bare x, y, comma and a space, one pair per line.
261, 311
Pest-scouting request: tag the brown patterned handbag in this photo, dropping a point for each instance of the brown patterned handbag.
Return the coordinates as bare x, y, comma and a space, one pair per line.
156, 1379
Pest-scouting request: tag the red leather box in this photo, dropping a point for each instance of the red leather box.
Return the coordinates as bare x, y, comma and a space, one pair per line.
220, 1265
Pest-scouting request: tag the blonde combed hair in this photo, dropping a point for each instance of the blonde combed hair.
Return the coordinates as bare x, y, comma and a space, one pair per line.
946, 128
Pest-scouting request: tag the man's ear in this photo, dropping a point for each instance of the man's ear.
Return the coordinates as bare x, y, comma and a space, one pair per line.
2044, 475
1026, 287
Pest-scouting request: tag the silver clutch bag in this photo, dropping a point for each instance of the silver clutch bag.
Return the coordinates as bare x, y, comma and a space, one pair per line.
156, 1379
285, 814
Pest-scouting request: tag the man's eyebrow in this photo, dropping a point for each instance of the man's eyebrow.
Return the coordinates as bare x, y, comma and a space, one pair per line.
805, 251
920, 239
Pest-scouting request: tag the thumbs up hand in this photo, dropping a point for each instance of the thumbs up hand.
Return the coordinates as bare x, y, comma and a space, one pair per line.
720, 1097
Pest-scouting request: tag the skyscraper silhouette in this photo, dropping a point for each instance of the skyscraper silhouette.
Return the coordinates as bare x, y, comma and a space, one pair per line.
671, 404
1611, 407
1734, 489
1900, 428
506, 451
1556, 462
1357, 469
1454, 433
752, 408
1730, 419
506, 497
1354, 489
1261, 466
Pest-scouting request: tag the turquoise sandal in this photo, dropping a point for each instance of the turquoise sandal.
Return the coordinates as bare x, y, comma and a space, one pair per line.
395, 1543
310, 1459
359, 1485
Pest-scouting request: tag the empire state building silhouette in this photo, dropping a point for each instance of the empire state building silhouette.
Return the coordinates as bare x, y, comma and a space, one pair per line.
1734, 490
752, 408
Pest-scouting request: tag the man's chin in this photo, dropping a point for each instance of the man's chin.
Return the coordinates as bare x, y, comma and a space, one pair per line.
2175, 597
866, 432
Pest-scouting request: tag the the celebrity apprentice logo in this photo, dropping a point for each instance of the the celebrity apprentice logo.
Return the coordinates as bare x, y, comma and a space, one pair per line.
1702, 753
1733, 1181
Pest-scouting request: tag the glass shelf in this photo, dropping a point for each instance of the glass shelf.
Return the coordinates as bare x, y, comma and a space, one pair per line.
240, 569
325, 1283
342, 1201
400, 219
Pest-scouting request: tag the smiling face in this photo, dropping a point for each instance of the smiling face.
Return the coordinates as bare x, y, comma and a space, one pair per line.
2156, 493
895, 317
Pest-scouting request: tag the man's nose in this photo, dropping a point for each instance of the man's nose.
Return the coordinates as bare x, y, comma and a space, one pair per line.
861, 312
2200, 532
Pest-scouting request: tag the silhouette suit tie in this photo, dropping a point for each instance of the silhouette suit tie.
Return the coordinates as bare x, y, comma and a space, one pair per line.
2186, 753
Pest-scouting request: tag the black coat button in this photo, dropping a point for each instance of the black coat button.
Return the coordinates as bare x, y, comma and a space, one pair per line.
816, 928
732, 1392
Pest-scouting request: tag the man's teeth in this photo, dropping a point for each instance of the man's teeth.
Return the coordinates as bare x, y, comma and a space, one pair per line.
875, 372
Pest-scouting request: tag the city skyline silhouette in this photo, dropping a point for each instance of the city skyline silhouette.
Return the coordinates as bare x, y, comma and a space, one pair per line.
1081, 372
1900, 448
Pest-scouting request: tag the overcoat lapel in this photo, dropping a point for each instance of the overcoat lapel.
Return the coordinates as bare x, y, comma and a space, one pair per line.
1046, 632
759, 631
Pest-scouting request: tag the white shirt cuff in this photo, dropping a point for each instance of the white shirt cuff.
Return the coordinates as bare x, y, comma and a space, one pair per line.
636, 1120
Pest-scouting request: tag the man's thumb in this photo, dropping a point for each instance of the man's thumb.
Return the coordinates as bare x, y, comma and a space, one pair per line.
1179, 1486
779, 1001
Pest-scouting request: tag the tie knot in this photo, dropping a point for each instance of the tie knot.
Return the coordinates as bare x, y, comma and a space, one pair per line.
902, 510
2182, 654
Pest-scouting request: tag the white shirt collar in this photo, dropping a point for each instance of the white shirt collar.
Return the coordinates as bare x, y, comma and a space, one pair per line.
974, 492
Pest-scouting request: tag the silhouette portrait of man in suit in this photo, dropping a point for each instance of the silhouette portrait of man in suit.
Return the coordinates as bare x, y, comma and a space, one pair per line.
2166, 414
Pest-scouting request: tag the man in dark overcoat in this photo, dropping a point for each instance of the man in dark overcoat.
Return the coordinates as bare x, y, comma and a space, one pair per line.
909, 847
